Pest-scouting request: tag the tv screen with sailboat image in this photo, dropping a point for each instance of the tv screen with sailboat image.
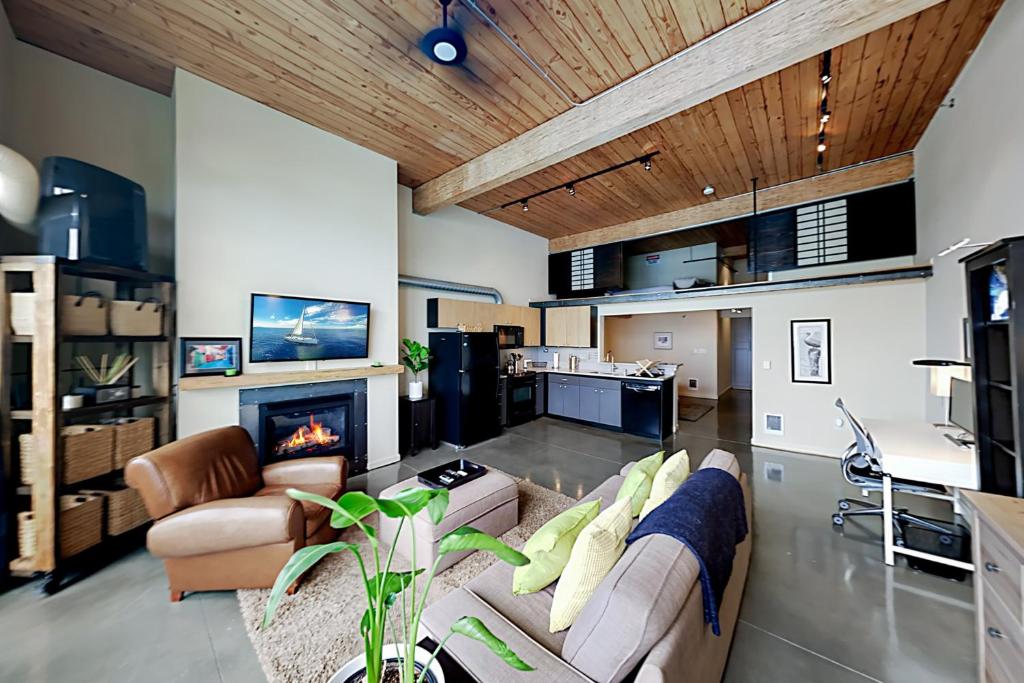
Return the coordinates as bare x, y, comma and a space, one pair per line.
297, 328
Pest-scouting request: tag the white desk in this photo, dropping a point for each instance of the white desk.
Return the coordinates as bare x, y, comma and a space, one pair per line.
919, 451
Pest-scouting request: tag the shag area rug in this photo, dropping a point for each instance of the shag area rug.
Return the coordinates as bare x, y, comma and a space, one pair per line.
316, 630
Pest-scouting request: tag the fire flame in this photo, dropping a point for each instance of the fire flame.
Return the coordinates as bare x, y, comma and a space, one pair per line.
312, 435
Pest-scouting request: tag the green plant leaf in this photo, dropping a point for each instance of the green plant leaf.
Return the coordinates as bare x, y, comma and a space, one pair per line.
394, 584
409, 501
468, 538
297, 565
438, 505
364, 623
473, 628
351, 508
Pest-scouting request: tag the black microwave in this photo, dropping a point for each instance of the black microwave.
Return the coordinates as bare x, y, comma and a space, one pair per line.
509, 336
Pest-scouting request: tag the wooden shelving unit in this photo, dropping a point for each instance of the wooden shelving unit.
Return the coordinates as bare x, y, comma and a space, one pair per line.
998, 367
50, 278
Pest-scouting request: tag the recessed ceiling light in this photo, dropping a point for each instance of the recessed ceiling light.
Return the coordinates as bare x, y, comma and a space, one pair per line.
444, 45
709, 190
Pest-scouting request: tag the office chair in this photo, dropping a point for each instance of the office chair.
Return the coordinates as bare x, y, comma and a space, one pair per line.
862, 467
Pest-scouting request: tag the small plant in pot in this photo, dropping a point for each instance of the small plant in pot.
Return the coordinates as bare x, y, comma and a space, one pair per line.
416, 357
393, 598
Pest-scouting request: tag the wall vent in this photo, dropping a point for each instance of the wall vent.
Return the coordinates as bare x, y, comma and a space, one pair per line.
773, 424
693, 383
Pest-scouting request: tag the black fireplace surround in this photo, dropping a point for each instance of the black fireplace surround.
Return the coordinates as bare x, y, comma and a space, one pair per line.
307, 420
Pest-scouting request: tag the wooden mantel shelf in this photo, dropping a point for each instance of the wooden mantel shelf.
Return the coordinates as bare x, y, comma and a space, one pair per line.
265, 379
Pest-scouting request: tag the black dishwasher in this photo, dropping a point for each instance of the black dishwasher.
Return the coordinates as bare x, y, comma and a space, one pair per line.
642, 409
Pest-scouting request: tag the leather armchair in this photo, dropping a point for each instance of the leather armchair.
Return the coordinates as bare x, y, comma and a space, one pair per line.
224, 523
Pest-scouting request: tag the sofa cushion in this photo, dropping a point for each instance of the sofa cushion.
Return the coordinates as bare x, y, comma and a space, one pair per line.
637, 485
529, 613
475, 657
227, 524
667, 479
632, 608
316, 515
596, 551
723, 460
549, 548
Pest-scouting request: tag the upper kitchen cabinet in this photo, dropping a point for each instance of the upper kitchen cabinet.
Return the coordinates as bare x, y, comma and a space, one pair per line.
476, 316
586, 272
570, 326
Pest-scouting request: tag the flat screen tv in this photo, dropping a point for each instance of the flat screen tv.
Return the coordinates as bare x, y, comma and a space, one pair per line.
296, 328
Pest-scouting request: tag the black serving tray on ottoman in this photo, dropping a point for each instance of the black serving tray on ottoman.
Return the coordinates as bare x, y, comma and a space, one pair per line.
451, 474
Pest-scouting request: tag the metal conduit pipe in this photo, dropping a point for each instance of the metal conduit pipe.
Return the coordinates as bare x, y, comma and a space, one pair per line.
448, 286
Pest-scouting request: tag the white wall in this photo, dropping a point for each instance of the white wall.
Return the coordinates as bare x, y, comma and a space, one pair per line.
694, 345
463, 246
970, 169
724, 354
61, 108
877, 329
267, 203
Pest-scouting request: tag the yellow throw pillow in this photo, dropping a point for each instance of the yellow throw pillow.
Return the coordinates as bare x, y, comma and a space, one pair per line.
667, 479
550, 546
598, 548
637, 485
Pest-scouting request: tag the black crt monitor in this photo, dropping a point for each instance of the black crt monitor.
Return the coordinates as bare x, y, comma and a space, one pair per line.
961, 404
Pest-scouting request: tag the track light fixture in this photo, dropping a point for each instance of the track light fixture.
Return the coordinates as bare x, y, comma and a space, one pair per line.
824, 112
444, 45
570, 187
709, 190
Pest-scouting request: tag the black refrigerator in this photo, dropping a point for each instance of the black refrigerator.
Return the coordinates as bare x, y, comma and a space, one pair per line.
464, 369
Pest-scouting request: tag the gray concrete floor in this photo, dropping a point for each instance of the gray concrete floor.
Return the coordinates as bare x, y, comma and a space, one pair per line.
819, 605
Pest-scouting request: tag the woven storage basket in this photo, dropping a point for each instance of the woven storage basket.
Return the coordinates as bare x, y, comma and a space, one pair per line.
25, 458
81, 526
125, 509
133, 436
136, 318
88, 452
84, 314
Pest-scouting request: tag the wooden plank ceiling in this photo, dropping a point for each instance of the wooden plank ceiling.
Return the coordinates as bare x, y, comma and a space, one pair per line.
354, 68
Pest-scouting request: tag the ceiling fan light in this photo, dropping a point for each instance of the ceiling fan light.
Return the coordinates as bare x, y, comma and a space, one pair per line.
444, 46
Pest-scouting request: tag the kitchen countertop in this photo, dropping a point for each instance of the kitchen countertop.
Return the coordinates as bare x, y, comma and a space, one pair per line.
601, 375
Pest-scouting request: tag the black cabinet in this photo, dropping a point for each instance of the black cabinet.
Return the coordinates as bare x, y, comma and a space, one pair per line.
417, 425
995, 276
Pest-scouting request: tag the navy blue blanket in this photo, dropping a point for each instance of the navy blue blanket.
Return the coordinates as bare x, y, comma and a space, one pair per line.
707, 515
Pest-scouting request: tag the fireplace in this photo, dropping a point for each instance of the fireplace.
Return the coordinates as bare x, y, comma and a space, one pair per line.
307, 421
306, 428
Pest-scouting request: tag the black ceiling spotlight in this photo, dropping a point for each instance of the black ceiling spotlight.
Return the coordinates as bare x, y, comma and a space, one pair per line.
444, 45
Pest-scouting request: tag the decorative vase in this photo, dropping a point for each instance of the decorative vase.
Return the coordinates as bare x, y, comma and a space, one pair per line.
415, 390
357, 665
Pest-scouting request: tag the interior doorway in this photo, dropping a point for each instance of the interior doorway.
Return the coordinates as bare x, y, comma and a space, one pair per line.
742, 353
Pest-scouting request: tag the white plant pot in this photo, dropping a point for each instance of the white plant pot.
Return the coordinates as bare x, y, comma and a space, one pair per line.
415, 390
392, 651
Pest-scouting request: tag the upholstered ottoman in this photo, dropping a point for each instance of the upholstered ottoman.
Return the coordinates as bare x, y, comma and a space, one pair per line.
489, 504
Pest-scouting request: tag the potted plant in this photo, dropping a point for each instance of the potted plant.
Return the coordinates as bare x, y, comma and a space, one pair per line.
416, 357
392, 597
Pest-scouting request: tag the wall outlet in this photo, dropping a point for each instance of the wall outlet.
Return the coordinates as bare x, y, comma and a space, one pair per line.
773, 424
767, 365
693, 383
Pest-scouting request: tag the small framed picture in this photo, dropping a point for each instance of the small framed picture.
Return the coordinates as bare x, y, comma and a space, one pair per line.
210, 355
663, 340
811, 342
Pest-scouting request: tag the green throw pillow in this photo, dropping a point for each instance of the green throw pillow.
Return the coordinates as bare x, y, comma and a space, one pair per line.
549, 548
637, 485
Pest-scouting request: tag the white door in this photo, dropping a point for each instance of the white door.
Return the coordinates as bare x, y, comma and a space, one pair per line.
742, 353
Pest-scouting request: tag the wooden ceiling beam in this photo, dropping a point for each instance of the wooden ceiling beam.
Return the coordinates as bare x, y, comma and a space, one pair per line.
843, 181
766, 42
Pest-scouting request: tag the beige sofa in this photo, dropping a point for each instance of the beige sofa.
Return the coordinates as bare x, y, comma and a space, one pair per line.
645, 620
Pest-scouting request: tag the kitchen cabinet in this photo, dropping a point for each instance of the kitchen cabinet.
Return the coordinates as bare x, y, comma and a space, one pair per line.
569, 326
541, 394
476, 316
611, 406
590, 404
564, 396
590, 399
